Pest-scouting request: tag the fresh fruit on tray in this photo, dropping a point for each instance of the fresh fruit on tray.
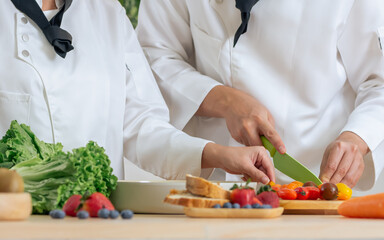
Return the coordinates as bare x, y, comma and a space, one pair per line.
90, 203
238, 197
309, 191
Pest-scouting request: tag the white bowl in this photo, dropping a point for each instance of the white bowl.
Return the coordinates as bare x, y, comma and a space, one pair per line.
148, 196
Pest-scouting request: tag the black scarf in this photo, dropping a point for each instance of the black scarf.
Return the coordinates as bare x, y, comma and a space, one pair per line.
245, 7
60, 39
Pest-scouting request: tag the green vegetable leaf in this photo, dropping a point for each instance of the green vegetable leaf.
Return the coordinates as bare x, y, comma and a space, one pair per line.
265, 188
50, 175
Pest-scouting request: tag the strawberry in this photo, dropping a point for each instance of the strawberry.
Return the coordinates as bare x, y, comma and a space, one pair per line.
95, 202
90, 203
243, 195
71, 205
270, 198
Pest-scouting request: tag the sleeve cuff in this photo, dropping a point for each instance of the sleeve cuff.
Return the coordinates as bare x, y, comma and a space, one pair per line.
373, 167
170, 153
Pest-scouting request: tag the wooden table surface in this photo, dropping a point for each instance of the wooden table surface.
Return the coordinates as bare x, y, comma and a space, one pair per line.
180, 226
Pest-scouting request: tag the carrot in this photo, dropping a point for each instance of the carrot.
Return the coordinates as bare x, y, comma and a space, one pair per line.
370, 206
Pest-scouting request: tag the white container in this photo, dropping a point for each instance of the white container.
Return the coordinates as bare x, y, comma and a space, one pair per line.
148, 196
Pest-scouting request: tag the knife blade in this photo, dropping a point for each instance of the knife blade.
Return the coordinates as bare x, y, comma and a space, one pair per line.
289, 166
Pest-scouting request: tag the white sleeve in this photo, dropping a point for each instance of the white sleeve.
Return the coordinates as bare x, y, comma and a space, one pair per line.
165, 35
364, 63
150, 141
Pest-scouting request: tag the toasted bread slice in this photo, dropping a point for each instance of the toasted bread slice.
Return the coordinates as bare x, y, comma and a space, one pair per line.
201, 187
186, 199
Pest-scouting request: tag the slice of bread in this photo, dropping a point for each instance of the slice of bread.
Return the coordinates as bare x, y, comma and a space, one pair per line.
201, 187
186, 199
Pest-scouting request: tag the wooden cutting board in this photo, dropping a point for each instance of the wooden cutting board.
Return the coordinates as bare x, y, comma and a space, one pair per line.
310, 207
233, 213
15, 206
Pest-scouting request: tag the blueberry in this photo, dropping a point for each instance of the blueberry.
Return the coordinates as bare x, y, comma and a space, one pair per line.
57, 214
126, 214
247, 206
216, 206
82, 214
266, 206
114, 214
256, 205
103, 213
227, 205
235, 205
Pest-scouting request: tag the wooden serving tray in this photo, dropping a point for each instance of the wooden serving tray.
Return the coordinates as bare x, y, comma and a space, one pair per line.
310, 207
233, 213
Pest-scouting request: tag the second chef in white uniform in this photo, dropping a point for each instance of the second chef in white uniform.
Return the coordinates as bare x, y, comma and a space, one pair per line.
309, 75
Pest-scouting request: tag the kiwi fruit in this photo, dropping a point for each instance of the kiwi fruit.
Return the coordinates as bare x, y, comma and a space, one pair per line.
10, 181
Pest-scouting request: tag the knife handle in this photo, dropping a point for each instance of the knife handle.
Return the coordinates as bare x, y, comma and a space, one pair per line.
268, 145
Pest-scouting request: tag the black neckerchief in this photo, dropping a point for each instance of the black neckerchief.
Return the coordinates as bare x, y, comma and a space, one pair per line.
245, 7
60, 39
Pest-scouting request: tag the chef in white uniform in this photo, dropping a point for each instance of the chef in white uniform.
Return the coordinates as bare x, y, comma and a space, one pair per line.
309, 75
82, 76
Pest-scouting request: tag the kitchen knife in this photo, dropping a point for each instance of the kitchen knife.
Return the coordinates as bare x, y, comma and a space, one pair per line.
289, 166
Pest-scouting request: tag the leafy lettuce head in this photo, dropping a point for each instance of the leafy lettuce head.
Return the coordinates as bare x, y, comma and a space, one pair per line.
50, 175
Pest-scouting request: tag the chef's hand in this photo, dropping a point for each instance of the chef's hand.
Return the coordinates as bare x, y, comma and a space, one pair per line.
251, 162
247, 119
343, 160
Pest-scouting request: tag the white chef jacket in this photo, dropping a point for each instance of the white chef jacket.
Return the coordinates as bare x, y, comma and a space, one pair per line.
102, 91
316, 65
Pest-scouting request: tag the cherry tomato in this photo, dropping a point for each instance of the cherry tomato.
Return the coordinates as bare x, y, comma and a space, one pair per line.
276, 187
302, 193
328, 191
310, 184
344, 193
287, 194
295, 184
314, 193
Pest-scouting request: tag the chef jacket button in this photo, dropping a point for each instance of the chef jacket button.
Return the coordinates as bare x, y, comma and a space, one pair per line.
24, 20
25, 53
219, 1
25, 37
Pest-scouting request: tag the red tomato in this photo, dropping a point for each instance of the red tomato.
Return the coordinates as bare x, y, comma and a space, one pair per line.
314, 193
287, 194
242, 196
302, 193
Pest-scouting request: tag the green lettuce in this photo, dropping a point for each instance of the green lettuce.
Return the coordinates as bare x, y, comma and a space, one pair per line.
50, 175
